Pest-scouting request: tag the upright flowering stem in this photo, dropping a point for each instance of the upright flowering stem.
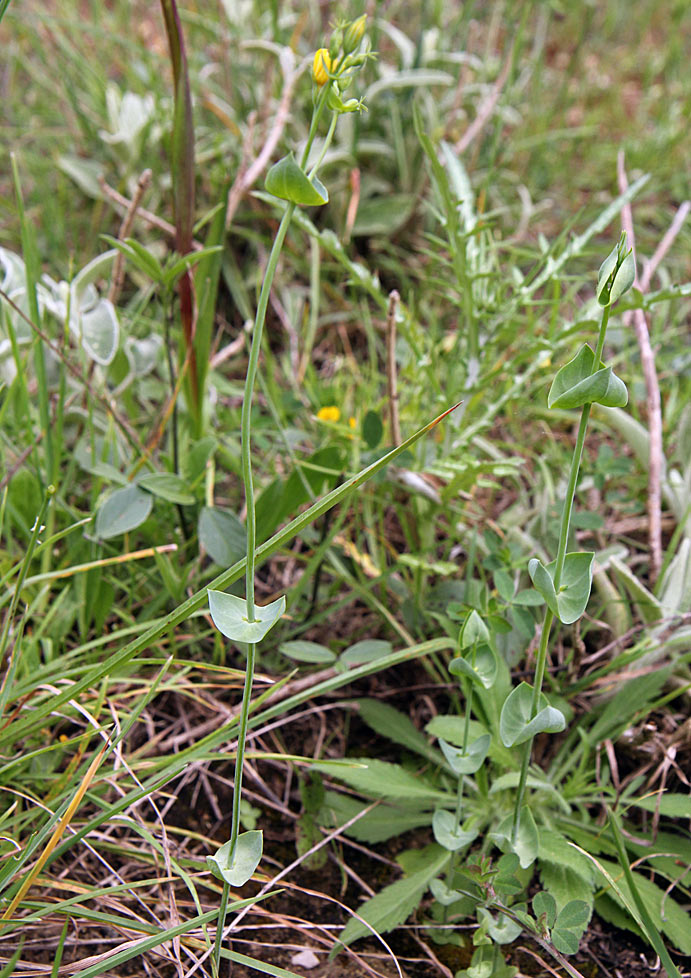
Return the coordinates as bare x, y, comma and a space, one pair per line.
565, 524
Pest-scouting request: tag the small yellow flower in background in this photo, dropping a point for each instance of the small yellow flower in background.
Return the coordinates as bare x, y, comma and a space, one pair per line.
331, 413
63, 738
352, 423
321, 66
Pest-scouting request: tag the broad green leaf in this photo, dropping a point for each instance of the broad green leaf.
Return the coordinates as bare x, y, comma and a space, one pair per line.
574, 591
167, 486
516, 725
527, 840
141, 257
452, 728
480, 668
288, 181
229, 615
674, 806
391, 723
379, 779
246, 858
124, 510
372, 429
576, 384
366, 651
556, 849
470, 760
448, 833
222, 535
302, 651
394, 903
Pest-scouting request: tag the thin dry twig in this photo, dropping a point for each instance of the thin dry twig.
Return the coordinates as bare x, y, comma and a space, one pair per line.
391, 379
652, 397
486, 109
152, 219
125, 228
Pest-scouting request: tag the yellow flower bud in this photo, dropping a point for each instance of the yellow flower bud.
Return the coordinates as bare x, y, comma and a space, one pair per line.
321, 66
354, 34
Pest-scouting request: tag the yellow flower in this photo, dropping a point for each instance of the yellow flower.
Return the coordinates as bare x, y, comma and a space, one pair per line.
331, 413
321, 66
352, 423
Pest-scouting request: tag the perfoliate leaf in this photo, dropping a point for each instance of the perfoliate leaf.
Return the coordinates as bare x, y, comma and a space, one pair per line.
526, 843
480, 668
248, 853
576, 384
501, 929
288, 181
448, 833
473, 630
516, 725
569, 603
470, 760
229, 615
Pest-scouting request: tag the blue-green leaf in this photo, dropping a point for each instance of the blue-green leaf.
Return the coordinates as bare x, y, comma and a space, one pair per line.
574, 588
229, 614
527, 840
248, 853
168, 486
448, 833
124, 510
302, 651
516, 724
288, 181
576, 384
481, 668
470, 760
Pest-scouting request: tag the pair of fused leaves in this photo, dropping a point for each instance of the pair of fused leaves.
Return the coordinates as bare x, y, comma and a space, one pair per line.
517, 724
566, 927
287, 180
577, 384
229, 615
237, 867
480, 663
569, 602
449, 833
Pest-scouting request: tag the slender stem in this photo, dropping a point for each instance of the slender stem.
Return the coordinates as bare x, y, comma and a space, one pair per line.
247, 403
327, 143
565, 525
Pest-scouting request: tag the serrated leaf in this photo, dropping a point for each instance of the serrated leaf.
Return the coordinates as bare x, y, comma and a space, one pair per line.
556, 849
471, 759
379, 779
516, 724
288, 181
222, 535
167, 486
382, 823
246, 858
301, 651
124, 510
576, 384
394, 903
448, 833
526, 843
564, 884
481, 668
229, 615
391, 723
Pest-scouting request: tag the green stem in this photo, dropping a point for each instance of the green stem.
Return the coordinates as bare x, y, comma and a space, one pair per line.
247, 404
565, 525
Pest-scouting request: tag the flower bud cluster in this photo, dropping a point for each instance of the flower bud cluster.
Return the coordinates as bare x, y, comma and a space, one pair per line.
617, 273
336, 64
